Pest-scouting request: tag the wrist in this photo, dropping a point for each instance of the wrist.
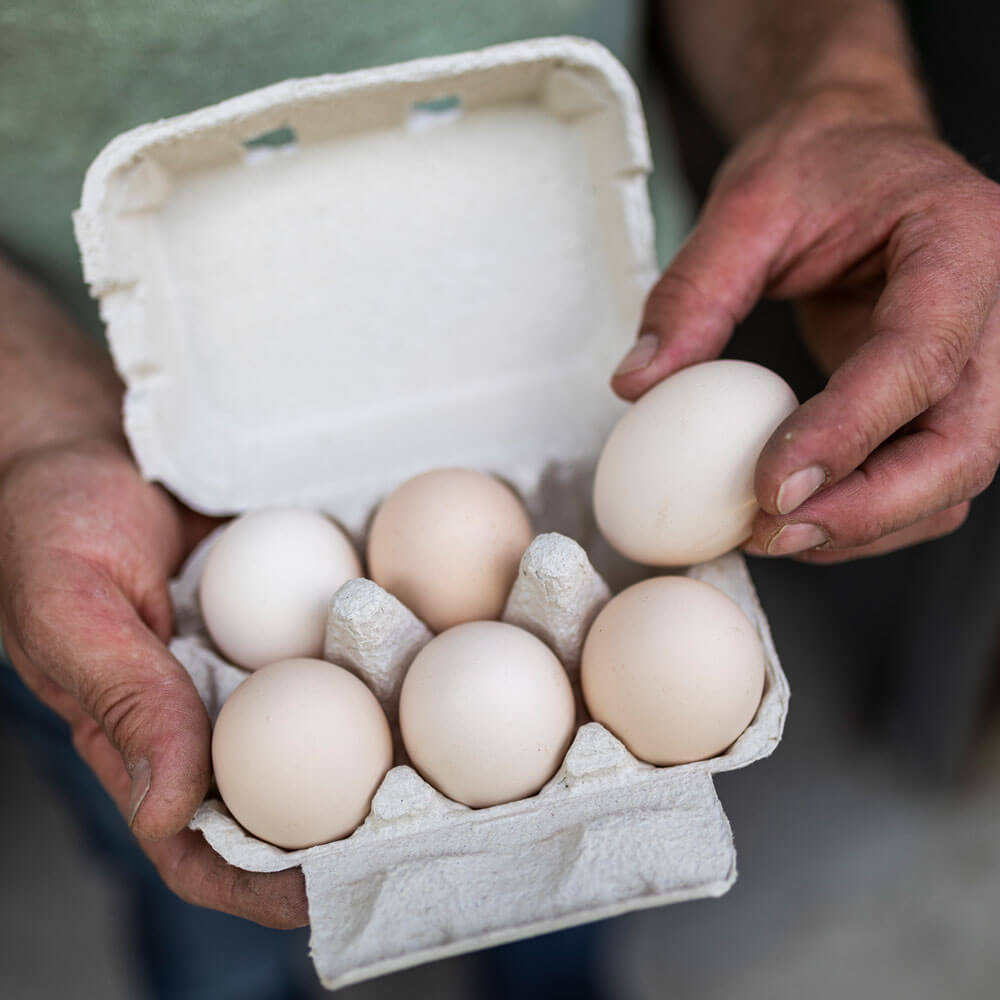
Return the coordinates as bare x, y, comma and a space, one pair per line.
62, 428
48, 450
56, 385
835, 105
860, 82
750, 60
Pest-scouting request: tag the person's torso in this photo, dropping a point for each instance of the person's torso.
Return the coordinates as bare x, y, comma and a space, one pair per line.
72, 76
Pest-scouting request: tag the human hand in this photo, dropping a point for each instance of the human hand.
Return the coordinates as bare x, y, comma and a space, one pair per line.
86, 549
890, 244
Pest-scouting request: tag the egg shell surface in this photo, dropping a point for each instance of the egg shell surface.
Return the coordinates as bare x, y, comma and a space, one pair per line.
268, 581
299, 749
675, 480
447, 544
674, 668
486, 713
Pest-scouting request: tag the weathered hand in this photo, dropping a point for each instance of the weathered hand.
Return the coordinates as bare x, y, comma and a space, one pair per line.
890, 243
86, 549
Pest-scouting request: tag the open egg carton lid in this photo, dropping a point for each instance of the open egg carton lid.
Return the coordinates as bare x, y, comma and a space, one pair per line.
316, 290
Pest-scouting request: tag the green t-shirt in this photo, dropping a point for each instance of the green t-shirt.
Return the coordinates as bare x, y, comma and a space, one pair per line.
74, 75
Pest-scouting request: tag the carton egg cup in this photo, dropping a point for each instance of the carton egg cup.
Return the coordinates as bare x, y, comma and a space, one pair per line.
425, 877
317, 290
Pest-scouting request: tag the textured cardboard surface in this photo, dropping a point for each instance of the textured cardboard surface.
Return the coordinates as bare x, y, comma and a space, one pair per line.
425, 877
393, 279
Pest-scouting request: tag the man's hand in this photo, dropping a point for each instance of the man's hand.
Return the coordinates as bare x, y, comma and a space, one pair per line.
890, 243
86, 549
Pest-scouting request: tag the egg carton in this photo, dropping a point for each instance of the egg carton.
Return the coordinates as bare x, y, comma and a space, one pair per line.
425, 877
316, 290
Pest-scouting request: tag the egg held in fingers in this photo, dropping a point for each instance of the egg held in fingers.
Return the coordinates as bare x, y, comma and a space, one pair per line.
675, 480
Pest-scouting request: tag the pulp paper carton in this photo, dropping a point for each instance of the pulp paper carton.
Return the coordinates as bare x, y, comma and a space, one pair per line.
316, 290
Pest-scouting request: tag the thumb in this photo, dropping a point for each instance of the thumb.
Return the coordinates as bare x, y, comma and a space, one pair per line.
712, 284
77, 628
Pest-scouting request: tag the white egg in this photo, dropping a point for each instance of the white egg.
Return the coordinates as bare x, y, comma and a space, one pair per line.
448, 543
267, 584
675, 481
674, 669
299, 749
487, 713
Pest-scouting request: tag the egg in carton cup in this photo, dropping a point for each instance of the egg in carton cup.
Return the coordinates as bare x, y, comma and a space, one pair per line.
317, 290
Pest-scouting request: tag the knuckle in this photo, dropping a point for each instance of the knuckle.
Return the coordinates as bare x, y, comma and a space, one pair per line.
749, 182
947, 351
675, 288
858, 434
850, 424
116, 706
936, 364
846, 532
864, 532
742, 192
858, 520
122, 706
979, 468
677, 297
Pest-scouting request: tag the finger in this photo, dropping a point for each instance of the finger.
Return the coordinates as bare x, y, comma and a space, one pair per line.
188, 865
926, 324
192, 870
710, 286
74, 625
905, 482
935, 526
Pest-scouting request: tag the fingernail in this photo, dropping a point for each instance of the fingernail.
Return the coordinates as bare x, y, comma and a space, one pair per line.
142, 776
795, 538
799, 487
643, 351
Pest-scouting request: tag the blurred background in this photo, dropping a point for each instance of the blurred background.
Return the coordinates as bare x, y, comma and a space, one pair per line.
864, 871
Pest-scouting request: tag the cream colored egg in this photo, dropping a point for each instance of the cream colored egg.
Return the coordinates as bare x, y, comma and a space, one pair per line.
299, 749
487, 713
674, 669
267, 584
448, 543
675, 481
